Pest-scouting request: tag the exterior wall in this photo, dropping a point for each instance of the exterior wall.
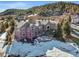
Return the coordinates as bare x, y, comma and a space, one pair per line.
75, 19
20, 33
30, 34
17, 34
23, 32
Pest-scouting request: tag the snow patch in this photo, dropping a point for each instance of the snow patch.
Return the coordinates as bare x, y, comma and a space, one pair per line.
55, 52
40, 49
3, 36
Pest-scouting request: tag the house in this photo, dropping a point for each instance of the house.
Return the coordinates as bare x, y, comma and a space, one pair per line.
75, 19
37, 26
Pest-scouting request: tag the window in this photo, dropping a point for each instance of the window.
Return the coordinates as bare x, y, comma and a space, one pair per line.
48, 27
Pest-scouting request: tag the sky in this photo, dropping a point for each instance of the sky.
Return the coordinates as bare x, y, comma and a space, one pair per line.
23, 4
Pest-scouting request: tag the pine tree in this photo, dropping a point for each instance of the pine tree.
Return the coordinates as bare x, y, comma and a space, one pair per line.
66, 27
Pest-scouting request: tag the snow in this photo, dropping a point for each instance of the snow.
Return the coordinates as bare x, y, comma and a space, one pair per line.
55, 52
76, 32
74, 26
40, 49
2, 39
1, 44
32, 15
3, 36
43, 39
74, 35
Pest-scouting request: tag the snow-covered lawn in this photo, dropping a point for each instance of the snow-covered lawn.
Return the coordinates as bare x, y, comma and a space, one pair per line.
40, 49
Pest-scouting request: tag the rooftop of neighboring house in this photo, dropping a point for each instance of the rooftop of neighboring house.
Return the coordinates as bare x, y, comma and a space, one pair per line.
32, 15
21, 23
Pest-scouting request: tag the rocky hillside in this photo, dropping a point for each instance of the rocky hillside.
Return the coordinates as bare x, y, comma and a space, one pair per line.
50, 9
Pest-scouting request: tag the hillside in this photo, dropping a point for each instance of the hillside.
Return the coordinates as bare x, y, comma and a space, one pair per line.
47, 10
13, 12
56, 8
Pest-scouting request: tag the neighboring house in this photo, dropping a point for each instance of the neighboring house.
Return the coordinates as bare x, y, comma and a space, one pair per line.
32, 15
21, 17
75, 19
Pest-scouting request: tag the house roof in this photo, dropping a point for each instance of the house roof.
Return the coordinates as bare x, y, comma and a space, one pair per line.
21, 23
37, 17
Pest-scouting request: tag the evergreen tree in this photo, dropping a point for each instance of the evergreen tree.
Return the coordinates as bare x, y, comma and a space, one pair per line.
66, 27
59, 31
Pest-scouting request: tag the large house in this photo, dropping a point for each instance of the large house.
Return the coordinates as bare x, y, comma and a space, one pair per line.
36, 26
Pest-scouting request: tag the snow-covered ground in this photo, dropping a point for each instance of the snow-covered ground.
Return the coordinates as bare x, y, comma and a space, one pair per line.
2, 39
74, 26
3, 36
42, 48
75, 33
55, 52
